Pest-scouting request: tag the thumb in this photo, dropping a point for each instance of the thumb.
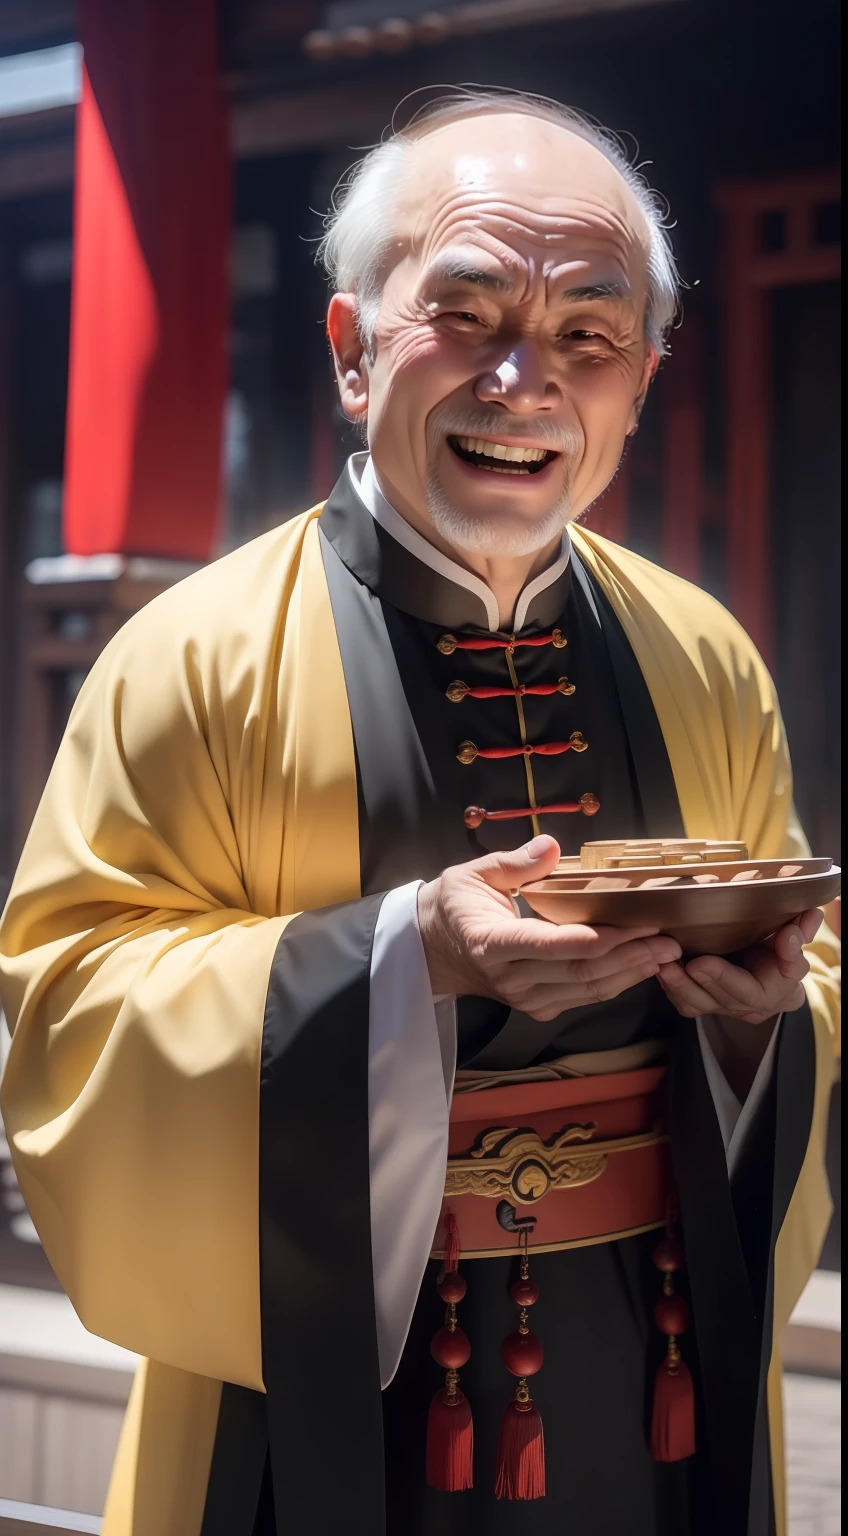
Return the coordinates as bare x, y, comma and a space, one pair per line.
532, 861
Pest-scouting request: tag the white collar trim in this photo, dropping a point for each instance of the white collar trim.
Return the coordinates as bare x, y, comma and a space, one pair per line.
363, 477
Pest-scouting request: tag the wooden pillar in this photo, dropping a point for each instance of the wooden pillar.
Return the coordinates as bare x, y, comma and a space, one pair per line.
683, 456
748, 397
150, 289
8, 582
610, 516
323, 469
71, 614
771, 240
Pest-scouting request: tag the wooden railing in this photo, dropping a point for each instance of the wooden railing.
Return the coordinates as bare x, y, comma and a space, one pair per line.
36, 1520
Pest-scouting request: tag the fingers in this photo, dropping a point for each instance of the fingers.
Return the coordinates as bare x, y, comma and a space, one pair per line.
789, 940
753, 993
530, 939
545, 1001
810, 922
507, 871
787, 950
636, 954
688, 997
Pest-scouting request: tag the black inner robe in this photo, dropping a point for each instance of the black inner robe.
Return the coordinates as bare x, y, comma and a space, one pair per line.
594, 1313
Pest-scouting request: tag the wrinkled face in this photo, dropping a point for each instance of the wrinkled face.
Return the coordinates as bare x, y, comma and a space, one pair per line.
509, 358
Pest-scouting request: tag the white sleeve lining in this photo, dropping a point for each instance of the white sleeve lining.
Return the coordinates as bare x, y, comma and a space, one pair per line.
412, 1059
734, 1119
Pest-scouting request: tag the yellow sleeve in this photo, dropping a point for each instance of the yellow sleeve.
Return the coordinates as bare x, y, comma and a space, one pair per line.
206, 784
769, 824
134, 977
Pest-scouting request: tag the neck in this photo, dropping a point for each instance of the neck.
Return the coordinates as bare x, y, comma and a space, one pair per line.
506, 576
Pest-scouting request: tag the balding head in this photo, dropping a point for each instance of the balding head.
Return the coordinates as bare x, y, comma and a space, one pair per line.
510, 323
358, 229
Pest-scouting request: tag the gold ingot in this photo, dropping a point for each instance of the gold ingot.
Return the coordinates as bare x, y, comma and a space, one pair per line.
659, 853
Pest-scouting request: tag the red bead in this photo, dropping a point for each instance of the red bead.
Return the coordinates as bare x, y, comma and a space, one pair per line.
668, 1256
450, 1350
522, 1354
671, 1315
524, 1292
452, 1287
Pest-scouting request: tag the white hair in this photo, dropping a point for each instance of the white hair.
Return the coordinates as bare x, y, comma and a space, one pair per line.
358, 229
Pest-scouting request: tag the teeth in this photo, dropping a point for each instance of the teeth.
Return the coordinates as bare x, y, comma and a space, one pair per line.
492, 450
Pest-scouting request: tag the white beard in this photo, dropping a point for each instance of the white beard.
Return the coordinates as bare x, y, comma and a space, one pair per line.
482, 536
508, 535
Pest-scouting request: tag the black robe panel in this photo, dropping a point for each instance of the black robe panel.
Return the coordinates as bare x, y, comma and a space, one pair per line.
410, 736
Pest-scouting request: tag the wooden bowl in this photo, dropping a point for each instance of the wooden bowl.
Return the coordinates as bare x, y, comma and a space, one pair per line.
711, 910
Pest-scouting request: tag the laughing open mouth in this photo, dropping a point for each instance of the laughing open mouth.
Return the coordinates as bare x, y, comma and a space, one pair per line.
500, 457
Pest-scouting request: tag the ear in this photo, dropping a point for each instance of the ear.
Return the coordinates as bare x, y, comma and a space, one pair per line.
649, 373
348, 355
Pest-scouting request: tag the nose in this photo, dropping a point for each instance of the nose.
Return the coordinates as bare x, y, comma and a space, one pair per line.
521, 381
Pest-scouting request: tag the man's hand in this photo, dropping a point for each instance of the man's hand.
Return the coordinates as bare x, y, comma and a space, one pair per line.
745, 1000
767, 982
476, 945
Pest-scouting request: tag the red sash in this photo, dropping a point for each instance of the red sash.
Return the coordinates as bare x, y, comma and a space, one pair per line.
586, 1157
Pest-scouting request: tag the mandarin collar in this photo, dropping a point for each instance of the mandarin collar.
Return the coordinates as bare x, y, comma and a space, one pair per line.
382, 550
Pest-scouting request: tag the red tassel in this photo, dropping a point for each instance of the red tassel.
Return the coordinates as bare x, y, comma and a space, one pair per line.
451, 1248
521, 1451
673, 1421
450, 1442
673, 1418
450, 1431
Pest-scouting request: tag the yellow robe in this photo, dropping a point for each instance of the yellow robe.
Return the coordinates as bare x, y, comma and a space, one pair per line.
204, 793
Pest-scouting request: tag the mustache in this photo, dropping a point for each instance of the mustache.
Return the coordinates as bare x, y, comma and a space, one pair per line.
450, 422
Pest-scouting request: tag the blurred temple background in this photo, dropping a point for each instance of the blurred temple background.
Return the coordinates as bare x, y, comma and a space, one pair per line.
166, 394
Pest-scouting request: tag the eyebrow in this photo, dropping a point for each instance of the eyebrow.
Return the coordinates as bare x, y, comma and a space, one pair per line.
597, 291
454, 270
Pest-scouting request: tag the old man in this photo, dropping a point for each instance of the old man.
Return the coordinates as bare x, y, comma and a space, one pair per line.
281, 1029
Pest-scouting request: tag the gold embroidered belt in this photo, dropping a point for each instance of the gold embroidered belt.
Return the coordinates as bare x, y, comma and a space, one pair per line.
570, 1162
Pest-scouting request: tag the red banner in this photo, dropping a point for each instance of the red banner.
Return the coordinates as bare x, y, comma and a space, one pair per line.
150, 283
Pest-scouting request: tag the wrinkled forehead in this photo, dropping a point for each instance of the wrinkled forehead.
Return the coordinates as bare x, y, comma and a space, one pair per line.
526, 191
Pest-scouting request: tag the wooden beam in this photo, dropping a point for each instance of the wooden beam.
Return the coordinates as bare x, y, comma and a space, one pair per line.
820, 186
36, 168
39, 22
392, 34
789, 269
21, 128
